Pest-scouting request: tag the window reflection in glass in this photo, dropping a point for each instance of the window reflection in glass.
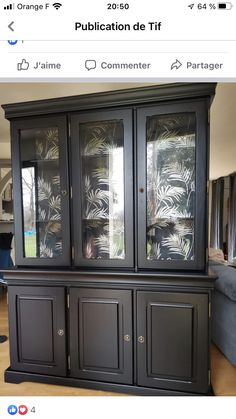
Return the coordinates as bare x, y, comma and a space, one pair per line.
170, 186
6, 198
28, 186
102, 158
41, 193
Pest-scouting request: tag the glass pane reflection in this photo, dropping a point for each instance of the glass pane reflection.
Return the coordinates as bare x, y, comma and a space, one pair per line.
170, 186
41, 193
102, 159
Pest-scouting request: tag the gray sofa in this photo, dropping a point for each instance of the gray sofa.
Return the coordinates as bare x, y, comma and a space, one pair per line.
224, 310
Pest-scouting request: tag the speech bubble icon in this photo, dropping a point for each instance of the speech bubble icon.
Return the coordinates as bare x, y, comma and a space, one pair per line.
90, 64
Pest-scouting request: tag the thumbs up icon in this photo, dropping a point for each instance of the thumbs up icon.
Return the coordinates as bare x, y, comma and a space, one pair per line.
24, 65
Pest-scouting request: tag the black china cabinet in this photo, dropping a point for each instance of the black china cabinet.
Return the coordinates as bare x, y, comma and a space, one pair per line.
111, 288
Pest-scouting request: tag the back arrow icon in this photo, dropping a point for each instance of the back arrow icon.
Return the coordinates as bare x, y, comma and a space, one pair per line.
10, 26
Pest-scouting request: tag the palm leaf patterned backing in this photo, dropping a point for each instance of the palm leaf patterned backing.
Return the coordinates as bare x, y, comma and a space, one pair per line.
101, 151
170, 186
47, 144
41, 153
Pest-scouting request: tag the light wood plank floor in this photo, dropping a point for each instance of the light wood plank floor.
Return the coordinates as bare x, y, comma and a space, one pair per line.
223, 373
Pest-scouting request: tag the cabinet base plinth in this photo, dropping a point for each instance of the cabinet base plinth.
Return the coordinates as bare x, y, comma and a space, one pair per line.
17, 377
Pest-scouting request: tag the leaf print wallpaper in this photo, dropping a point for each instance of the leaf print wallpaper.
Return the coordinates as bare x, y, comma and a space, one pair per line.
41, 193
170, 186
102, 169
170, 189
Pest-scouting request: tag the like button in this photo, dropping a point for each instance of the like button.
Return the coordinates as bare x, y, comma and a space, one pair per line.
24, 65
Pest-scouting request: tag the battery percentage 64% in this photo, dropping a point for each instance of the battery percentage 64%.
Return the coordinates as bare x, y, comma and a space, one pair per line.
211, 6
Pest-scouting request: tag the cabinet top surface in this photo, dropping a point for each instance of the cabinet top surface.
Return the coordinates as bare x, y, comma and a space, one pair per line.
181, 282
148, 94
108, 276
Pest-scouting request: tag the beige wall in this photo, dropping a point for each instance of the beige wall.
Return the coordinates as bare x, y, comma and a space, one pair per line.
223, 131
4, 150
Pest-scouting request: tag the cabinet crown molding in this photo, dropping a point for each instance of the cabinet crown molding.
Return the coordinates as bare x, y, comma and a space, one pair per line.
125, 97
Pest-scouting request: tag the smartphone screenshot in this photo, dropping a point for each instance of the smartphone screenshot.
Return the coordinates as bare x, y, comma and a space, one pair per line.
117, 208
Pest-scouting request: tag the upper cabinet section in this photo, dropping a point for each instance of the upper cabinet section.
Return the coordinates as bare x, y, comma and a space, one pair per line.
41, 185
172, 186
102, 188
136, 194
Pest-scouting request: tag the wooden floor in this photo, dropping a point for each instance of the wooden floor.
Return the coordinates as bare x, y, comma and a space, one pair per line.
223, 373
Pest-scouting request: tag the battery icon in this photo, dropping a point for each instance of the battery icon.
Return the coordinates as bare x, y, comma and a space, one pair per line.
225, 6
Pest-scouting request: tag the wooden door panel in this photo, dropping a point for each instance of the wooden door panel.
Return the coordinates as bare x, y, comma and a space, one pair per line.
99, 321
171, 219
104, 335
102, 146
37, 329
170, 349
174, 348
40, 161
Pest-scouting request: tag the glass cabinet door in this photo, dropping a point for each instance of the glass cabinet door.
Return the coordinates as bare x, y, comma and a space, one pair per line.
41, 182
103, 188
172, 184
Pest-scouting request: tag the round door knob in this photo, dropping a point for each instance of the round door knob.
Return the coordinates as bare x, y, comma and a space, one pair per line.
141, 190
141, 339
127, 338
60, 332
64, 192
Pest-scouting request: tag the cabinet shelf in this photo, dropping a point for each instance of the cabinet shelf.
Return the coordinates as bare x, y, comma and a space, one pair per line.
105, 220
27, 163
173, 218
105, 155
48, 221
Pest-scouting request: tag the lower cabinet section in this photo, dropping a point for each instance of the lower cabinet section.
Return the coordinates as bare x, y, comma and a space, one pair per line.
141, 338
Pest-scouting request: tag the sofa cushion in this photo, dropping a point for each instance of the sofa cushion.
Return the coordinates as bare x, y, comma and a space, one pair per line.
224, 325
216, 254
226, 282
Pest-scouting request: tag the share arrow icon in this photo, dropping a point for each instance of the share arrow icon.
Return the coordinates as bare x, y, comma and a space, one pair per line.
176, 64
